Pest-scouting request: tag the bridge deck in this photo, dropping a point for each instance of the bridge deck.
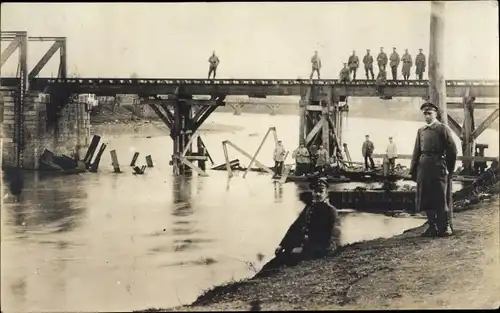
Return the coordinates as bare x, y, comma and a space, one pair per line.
254, 87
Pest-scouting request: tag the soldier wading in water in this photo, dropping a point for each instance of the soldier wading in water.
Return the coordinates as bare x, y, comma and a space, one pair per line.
432, 164
313, 234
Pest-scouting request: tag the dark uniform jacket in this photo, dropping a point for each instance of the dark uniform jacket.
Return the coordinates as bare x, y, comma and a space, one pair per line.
420, 63
353, 61
368, 61
317, 229
432, 164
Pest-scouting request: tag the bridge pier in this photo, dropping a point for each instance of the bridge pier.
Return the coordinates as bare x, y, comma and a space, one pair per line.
320, 114
183, 116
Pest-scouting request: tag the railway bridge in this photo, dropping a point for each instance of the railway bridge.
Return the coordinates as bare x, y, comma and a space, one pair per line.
38, 109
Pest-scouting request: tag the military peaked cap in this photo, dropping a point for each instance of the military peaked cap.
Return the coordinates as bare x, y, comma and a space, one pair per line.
318, 183
429, 106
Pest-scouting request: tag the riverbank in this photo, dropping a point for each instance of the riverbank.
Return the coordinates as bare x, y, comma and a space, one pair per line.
405, 271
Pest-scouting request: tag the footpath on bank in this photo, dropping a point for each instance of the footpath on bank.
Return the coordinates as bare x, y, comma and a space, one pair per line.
405, 271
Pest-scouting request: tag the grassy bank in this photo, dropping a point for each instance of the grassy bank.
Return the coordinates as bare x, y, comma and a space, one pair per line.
405, 271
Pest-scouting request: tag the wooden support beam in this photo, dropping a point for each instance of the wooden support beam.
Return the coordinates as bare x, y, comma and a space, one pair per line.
437, 84
485, 124
454, 126
314, 131
271, 129
43, 61
194, 102
9, 50
325, 132
162, 116
194, 167
262, 166
467, 141
226, 157
477, 105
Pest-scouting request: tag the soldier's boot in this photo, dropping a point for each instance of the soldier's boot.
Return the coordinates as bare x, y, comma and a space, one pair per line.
432, 229
444, 224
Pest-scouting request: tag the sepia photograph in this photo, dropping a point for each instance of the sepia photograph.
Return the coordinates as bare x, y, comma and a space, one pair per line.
250, 156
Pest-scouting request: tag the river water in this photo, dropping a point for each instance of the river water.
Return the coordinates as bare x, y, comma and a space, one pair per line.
115, 242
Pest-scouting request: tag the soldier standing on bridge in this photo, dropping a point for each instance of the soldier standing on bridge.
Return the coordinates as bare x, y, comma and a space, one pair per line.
432, 164
345, 74
382, 59
420, 65
316, 65
353, 63
394, 63
407, 64
214, 63
368, 62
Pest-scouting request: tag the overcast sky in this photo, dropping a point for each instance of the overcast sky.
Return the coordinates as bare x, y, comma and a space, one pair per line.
253, 40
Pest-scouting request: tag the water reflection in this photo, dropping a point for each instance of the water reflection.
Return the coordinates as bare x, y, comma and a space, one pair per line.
52, 209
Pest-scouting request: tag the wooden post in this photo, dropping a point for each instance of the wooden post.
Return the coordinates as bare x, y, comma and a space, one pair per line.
149, 161
258, 150
95, 165
468, 140
202, 152
134, 159
228, 163
114, 161
437, 84
91, 151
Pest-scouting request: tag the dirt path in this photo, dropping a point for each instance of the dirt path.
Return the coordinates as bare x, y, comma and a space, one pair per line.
406, 271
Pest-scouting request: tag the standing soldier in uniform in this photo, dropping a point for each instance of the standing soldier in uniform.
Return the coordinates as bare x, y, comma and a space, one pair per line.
432, 164
353, 63
367, 151
391, 153
420, 65
315, 232
214, 62
322, 160
407, 64
345, 74
382, 59
394, 63
368, 62
279, 158
302, 160
316, 65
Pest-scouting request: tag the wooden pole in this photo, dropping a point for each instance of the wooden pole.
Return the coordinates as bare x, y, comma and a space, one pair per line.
437, 84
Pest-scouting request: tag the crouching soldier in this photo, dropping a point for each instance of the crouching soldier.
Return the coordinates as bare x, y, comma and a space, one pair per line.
314, 234
345, 74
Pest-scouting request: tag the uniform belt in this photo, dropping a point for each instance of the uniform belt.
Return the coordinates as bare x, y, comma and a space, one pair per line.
432, 153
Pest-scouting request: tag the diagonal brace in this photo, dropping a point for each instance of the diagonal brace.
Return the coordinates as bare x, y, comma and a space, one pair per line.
9, 50
454, 126
43, 61
314, 131
161, 115
485, 124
